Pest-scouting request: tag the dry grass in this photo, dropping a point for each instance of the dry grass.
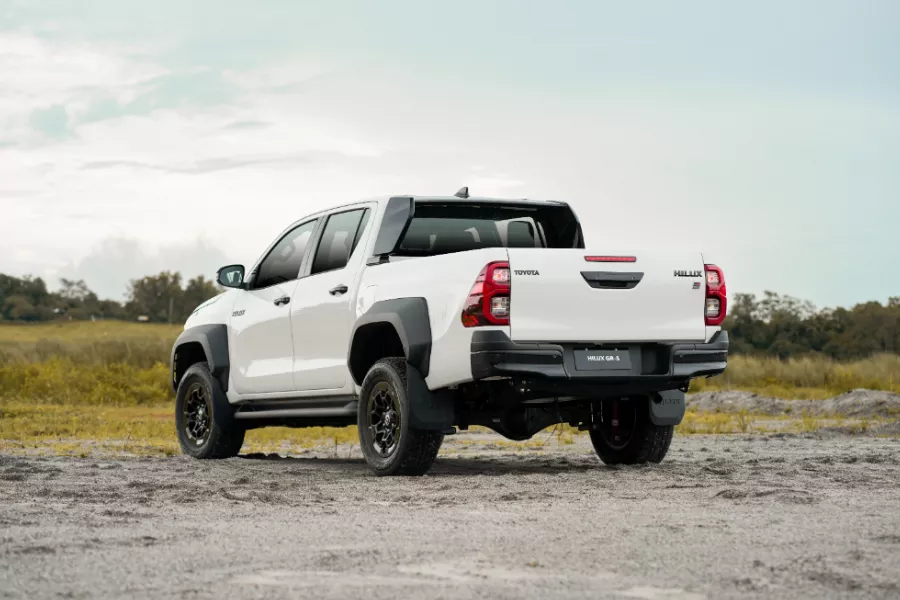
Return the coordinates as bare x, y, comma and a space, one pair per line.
811, 378
61, 381
80, 387
71, 346
88, 343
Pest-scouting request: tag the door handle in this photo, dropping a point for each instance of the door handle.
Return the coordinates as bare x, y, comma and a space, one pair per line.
337, 291
282, 301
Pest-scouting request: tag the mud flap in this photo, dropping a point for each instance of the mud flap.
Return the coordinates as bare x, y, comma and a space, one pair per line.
429, 411
667, 408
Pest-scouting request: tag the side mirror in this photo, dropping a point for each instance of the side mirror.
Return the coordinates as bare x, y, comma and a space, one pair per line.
231, 276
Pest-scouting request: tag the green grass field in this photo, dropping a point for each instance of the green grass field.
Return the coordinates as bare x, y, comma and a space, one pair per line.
73, 386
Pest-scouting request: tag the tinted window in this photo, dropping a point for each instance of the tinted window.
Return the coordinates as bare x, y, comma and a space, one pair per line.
439, 228
338, 241
284, 261
521, 234
445, 235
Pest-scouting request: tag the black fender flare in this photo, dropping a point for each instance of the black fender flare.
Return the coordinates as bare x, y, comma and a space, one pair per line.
409, 316
214, 341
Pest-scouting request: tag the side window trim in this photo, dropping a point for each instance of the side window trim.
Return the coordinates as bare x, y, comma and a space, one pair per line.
319, 220
313, 245
360, 229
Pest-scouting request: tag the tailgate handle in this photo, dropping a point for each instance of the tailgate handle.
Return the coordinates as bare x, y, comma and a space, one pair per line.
612, 280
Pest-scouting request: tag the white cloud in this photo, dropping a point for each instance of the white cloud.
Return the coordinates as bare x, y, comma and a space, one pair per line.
160, 155
39, 74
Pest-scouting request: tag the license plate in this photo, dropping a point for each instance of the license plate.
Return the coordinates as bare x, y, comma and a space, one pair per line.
602, 360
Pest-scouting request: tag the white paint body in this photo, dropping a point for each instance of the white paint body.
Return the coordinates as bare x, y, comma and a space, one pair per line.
559, 306
300, 349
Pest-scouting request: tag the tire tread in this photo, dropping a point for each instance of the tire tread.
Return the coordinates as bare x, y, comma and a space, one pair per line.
227, 436
649, 444
421, 447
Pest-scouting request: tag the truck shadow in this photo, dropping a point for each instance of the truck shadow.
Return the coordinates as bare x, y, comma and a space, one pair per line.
449, 467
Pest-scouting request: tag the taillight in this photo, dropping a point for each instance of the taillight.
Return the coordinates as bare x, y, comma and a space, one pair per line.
716, 302
488, 301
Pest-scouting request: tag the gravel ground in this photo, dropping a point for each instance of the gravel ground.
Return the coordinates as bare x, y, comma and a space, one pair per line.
776, 516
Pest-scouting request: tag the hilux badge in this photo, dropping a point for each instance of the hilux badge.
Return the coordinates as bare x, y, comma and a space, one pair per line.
604, 358
688, 274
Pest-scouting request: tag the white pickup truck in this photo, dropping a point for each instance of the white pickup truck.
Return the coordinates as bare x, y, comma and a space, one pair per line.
414, 316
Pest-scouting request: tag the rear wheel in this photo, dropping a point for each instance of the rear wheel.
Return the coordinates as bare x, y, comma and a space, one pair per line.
204, 418
625, 434
389, 445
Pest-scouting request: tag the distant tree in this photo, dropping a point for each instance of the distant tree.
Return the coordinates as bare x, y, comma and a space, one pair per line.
76, 291
159, 297
25, 299
197, 291
784, 326
162, 299
18, 308
110, 309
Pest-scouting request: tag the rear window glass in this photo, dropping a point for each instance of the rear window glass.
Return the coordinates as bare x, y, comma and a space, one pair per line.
443, 229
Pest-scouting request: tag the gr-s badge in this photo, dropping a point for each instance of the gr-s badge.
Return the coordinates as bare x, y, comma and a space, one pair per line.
237, 313
688, 273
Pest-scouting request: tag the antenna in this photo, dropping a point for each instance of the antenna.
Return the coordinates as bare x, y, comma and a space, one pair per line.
462, 193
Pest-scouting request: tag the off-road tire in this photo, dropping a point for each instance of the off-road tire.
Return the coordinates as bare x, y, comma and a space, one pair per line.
224, 434
648, 442
414, 451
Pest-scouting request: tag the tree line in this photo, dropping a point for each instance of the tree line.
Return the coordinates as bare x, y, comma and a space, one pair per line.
784, 326
158, 298
773, 324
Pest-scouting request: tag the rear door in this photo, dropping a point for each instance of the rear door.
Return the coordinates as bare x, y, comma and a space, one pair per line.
575, 295
321, 314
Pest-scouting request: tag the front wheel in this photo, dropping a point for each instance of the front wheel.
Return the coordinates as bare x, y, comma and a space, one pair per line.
625, 434
389, 445
204, 418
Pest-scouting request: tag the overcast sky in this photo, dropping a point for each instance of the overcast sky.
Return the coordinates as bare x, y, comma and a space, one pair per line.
141, 136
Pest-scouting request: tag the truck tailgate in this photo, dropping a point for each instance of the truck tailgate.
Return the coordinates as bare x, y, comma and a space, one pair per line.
576, 295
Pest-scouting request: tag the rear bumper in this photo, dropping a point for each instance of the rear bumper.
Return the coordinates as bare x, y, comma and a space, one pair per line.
653, 366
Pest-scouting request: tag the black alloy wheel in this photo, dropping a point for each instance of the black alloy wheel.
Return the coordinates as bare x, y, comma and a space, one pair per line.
384, 419
197, 412
204, 419
389, 442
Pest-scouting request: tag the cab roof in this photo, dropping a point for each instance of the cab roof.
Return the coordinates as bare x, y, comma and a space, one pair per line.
483, 200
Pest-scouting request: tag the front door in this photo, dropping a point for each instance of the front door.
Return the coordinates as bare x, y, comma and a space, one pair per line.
262, 351
321, 308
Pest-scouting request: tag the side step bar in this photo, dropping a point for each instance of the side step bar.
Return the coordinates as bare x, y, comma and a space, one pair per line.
305, 408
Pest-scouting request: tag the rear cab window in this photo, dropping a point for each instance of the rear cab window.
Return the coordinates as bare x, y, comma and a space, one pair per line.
451, 227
